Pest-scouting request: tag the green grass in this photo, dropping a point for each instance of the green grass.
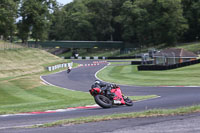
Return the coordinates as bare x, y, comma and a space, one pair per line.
139, 98
120, 63
26, 93
24, 61
20, 98
194, 47
148, 113
129, 75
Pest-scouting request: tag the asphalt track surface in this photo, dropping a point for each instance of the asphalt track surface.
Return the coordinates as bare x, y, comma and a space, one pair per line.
81, 78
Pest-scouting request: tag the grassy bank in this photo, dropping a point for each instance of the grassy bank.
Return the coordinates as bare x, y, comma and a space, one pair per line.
21, 89
24, 61
128, 74
194, 47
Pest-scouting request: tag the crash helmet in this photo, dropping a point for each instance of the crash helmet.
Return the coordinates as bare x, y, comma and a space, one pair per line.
97, 82
114, 85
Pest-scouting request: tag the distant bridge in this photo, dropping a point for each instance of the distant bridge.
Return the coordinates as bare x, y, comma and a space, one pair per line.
83, 44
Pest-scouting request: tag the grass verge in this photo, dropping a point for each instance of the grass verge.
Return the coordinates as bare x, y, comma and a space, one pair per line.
21, 97
129, 75
148, 113
140, 98
26, 94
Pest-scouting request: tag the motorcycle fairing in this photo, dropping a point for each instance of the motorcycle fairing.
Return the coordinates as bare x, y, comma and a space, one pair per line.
118, 94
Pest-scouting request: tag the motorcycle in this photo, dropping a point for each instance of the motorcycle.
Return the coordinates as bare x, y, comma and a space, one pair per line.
106, 98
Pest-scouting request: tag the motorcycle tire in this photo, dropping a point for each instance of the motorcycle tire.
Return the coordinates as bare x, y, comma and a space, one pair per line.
103, 101
68, 70
128, 101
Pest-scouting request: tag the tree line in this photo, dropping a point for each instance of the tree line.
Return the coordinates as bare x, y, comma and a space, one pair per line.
145, 22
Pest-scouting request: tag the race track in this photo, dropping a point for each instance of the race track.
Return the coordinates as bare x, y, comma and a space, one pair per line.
81, 78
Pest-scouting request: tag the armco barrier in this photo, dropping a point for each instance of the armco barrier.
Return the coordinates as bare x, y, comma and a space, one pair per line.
167, 67
58, 66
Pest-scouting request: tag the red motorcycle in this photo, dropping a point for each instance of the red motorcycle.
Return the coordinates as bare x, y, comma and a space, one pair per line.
109, 95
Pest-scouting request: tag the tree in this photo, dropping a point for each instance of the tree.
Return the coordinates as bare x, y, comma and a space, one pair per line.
57, 30
87, 20
8, 15
116, 25
23, 30
153, 21
77, 22
191, 11
36, 18
101, 18
72, 23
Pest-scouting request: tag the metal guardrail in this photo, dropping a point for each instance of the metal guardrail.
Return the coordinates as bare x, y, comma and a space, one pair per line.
58, 66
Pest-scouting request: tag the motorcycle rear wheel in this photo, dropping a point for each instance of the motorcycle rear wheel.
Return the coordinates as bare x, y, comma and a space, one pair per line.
103, 101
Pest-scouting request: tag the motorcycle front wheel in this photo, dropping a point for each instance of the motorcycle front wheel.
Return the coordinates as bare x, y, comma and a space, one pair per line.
103, 101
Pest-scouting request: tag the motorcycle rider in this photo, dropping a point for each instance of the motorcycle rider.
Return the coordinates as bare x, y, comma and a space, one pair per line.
99, 84
69, 68
103, 87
